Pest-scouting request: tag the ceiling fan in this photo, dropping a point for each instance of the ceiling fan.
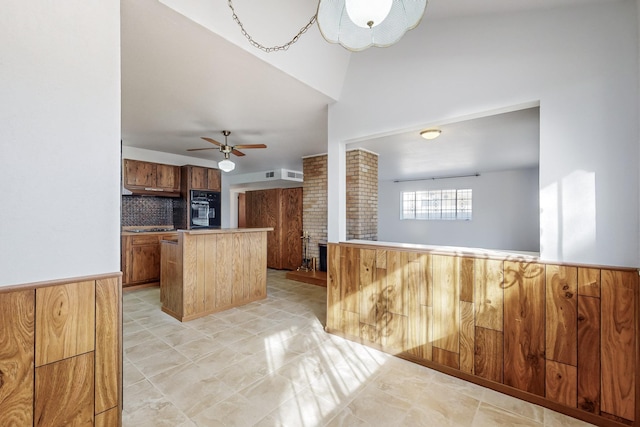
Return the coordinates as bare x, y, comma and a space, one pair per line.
225, 148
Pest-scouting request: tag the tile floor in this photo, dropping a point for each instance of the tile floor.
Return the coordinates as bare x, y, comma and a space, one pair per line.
269, 363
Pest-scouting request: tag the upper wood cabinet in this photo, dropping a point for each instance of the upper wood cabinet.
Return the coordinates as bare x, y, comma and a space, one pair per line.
151, 178
280, 208
201, 178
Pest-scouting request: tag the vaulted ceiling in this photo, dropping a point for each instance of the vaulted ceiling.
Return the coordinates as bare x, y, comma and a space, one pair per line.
188, 72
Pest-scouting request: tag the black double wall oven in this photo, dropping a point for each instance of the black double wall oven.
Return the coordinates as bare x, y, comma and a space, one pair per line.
205, 209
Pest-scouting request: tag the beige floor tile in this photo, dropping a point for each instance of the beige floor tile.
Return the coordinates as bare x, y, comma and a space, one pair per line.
345, 418
555, 419
511, 404
491, 416
379, 408
442, 407
235, 411
270, 363
304, 409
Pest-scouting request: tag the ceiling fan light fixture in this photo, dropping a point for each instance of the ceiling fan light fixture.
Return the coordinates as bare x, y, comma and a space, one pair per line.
226, 165
430, 133
358, 24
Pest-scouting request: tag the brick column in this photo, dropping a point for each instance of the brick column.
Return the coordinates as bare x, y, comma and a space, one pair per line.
314, 201
362, 195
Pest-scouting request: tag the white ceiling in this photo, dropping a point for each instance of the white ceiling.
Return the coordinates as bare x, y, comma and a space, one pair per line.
181, 81
498, 142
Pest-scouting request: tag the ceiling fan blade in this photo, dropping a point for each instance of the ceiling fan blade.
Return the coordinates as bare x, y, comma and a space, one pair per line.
250, 146
211, 140
238, 153
198, 149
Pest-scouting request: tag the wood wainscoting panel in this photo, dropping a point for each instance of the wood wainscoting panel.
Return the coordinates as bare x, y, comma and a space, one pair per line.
489, 293
223, 269
489, 354
561, 383
446, 303
394, 336
209, 271
395, 288
334, 295
350, 280
64, 392
589, 282
258, 265
414, 281
618, 345
467, 337
446, 358
524, 342
238, 262
108, 350
110, 418
562, 314
466, 279
371, 311
202, 262
17, 310
189, 289
589, 353
65, 323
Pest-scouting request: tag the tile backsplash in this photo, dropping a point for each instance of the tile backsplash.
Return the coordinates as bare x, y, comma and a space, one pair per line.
146, 210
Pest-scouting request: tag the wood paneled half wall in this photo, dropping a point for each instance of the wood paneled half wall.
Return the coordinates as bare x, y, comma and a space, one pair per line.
562, 336
61, 353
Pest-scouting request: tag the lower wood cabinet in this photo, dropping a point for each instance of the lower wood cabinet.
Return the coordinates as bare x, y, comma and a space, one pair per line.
141, 258
61, 354
562, 336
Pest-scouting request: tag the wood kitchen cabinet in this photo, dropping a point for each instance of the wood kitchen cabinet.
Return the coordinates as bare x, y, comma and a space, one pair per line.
281, 209
151, 178
141, 258
201, 178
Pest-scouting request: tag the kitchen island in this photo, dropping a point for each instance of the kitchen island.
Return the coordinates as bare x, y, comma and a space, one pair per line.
210, 270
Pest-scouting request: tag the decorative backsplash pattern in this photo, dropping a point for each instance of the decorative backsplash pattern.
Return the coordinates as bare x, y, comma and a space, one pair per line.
146, 210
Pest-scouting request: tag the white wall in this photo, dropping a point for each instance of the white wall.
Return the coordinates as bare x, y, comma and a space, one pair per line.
505, 213
59, 139
580, 63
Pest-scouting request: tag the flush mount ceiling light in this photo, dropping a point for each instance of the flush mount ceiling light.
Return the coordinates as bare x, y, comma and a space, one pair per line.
355, 24
359, 24
430, 133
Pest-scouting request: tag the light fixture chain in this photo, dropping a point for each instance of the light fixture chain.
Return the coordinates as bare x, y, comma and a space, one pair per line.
273, 48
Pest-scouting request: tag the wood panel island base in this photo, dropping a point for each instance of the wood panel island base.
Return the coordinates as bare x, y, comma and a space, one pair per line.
561, 336
206, 271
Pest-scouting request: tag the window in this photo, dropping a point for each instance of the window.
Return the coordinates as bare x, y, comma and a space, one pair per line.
437, 205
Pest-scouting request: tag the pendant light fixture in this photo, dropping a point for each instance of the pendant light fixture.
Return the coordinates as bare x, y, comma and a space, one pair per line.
226, 165
355, 24
359, 24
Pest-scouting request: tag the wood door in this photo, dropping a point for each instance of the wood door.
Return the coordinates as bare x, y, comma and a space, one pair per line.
139, 174
291, 244
167, 177
242, 210
213, 179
